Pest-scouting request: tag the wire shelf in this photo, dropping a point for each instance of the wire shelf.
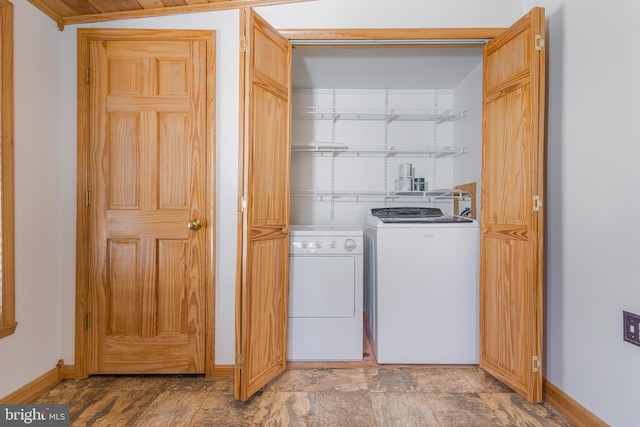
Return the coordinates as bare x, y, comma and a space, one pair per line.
437, 115
441, 194
388, 151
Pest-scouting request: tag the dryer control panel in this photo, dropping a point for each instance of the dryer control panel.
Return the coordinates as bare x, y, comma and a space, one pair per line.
325, 245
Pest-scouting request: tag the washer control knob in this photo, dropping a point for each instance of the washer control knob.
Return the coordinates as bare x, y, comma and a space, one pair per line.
333, 244
318, 244
349, 244
305, 245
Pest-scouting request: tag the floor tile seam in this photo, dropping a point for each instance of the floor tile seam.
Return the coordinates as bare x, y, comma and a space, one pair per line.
429, 398
82, 385
140, 411
466, 380
129, 388
546, 416
427, 392
325, 391
380, 420
417, 372
501, 407
152, 402
267, 394
493, 411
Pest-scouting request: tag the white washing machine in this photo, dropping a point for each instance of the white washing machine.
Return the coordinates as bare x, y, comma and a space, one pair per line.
325, 294
421, 286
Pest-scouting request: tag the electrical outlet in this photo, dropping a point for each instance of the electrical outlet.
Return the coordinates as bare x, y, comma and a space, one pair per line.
631, 325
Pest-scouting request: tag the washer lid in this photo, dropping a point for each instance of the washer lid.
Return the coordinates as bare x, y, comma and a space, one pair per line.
415, 215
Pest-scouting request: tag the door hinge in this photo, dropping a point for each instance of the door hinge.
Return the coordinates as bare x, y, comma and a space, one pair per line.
85, 321
244, 44
537, 363
239, 361
86, 75
539, 42
537, 203
242, 204
87, 195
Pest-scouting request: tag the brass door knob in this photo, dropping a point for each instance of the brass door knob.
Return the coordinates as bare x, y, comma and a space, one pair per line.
195, 225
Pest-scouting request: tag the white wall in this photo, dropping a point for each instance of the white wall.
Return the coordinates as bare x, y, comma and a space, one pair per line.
592, 235
321, 13
593, 238
393, 14
35, 347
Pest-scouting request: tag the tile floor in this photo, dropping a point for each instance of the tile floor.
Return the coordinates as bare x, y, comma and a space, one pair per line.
363, 396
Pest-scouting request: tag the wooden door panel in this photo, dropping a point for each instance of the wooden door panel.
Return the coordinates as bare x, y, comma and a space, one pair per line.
506, 348
146, 355
268, 55
121, 288
149, 173
171, 225
264, 357
173, 160
143, 51
264, 251
124, 154
505, 63
511, 263
506, 160
269, 207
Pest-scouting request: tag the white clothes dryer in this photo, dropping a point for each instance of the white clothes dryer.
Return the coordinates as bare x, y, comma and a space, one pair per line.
325, 294
421, 286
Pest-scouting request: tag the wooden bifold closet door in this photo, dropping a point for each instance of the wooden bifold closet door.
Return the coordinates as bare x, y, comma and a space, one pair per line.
511, 238
261, 331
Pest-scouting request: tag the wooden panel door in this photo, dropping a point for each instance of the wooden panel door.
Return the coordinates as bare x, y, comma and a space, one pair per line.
261, 330
511, 265
148, 174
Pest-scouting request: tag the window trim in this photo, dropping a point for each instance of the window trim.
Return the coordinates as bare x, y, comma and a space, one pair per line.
8, 318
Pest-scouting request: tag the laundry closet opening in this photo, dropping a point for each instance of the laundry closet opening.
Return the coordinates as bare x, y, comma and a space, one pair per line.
360, 113
373, 127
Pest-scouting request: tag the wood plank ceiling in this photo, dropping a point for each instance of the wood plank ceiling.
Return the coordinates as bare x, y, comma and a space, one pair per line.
67, 12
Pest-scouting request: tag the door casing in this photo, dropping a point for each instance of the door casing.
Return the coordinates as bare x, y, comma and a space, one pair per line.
401, 38
83, 348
